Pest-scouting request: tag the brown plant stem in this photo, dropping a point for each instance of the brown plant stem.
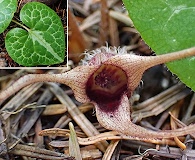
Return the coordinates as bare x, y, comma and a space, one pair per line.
36, 152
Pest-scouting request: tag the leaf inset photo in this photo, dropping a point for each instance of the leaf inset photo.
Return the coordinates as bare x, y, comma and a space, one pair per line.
39, 36
8, 8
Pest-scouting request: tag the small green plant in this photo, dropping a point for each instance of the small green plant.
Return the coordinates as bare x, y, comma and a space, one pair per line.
39, 39
167, 26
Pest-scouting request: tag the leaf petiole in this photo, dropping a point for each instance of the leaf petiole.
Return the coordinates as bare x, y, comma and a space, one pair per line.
21, 25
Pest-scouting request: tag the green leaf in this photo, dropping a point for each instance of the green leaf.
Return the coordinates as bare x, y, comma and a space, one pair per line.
42, 42
167, 26
7, 10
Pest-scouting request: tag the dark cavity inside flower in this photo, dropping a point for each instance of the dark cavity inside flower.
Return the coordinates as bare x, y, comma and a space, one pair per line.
106, 86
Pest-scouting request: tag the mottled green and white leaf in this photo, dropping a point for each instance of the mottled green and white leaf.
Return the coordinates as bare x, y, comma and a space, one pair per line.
42, 41
7, 10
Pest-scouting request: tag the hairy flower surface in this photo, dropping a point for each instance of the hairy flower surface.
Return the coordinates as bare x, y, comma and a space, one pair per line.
107, 79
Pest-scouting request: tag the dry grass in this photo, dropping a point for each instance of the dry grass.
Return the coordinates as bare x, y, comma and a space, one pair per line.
48, 108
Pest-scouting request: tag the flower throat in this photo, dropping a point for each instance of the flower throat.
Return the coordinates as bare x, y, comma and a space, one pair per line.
106, 86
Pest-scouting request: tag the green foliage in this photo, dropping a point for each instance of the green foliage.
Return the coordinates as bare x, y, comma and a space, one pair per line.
167, 26
40, 40
8, 8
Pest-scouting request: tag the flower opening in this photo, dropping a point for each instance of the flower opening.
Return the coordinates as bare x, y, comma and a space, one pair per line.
106, 86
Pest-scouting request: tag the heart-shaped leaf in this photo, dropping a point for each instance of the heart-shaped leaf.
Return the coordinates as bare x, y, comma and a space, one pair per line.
42, 42
7, 10
167, 26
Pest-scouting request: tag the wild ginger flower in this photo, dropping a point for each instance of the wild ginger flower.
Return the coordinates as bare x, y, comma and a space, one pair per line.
107, 79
